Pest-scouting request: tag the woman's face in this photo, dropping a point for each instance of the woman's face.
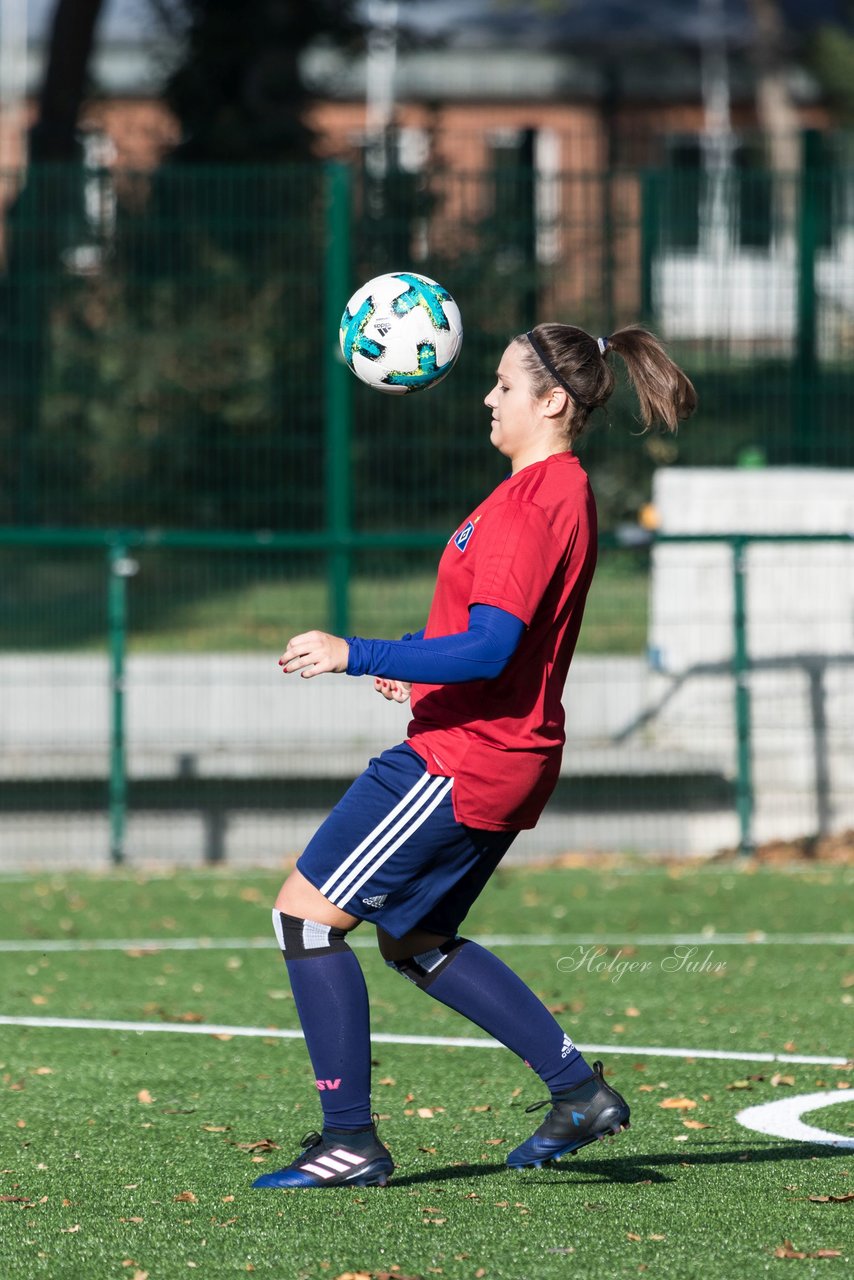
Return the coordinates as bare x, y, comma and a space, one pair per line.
517, 423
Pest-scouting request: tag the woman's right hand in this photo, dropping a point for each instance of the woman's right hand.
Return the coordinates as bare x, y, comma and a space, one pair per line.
392, 690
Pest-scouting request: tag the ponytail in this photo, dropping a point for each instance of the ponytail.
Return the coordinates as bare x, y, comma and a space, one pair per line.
570, 357
664, 392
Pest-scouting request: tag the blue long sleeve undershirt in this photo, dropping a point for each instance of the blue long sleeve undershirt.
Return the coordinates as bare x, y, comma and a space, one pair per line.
479, 653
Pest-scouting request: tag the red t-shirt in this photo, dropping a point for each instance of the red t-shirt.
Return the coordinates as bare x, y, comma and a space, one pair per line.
529, 548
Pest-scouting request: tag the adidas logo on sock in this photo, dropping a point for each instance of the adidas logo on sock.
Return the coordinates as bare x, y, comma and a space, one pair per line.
378, 901
568, 1046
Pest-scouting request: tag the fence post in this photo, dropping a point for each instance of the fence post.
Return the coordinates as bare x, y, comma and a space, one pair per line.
806, 361
120, 568
338, 424
743, 726
650, 181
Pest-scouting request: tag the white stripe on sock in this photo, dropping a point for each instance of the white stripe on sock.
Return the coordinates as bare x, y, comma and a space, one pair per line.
410, 795
420, 820
337, 894
277, 925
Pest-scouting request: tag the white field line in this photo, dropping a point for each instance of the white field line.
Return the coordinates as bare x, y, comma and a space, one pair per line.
757, 938
455, 1042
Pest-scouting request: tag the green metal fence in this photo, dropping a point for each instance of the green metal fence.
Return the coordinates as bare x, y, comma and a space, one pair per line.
173, 399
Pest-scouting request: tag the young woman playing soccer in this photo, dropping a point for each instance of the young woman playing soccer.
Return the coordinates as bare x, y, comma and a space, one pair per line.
415, 839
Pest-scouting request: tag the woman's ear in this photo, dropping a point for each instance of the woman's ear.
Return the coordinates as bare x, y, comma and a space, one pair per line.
555, 402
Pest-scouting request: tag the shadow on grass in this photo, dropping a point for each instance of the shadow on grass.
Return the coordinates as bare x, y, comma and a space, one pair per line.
631, 1169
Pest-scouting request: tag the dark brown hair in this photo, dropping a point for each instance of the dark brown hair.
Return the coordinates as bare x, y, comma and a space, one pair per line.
665, 393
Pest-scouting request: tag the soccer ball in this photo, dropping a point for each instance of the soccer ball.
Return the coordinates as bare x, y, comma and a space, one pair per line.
401, 332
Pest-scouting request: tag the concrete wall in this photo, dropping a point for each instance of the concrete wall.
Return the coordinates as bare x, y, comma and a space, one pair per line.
229, 759
800, 635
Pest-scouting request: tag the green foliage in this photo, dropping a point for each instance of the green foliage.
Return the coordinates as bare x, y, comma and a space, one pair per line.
832, 61
238, 93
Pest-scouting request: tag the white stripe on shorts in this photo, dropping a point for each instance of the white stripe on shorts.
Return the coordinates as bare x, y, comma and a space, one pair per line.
398, 808
367, 867
369, 848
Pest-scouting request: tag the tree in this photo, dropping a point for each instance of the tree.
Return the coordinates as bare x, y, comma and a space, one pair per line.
832, 61
238, 93
37, 221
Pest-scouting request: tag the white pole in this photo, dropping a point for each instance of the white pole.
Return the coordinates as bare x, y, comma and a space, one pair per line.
718, 140
380, 67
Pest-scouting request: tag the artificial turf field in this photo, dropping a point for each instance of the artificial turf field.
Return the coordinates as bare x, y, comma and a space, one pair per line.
130, 1153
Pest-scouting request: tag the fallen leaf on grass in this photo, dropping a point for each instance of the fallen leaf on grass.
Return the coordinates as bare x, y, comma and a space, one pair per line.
425, 1113
265, 1144
18, 1200
849, 1195
186, 1195
42, 1071
144, 1097
678, 1104
216, 1128
777, 1079
130, 1219
69, 1231
739, 1084
630, 1235
389, 1080
695, 1124
788, 1250
484, 1107
221, 1035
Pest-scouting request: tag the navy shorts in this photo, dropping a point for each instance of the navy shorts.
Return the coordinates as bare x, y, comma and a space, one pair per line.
392, 852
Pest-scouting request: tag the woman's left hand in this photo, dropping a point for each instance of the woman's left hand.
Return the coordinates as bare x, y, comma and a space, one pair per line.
314, 653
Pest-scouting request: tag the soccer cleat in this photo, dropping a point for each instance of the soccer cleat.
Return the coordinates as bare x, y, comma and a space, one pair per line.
578, 1117
331, 1162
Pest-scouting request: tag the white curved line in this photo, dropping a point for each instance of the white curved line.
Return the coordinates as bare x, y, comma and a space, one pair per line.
783, 1119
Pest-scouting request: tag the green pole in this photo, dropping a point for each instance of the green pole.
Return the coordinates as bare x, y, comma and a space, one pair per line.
650, 234
120, 568
806, 356
338, 424
740, 670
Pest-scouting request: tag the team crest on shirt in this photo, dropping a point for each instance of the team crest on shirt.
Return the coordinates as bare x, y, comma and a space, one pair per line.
461, 540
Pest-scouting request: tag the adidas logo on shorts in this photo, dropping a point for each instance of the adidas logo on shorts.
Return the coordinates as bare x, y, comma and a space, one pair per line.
378, 901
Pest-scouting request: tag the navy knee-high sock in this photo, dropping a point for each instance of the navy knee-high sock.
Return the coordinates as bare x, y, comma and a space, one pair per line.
470, 979
332, 1005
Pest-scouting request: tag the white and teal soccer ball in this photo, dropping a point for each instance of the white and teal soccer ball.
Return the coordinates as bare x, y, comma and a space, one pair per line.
401, 332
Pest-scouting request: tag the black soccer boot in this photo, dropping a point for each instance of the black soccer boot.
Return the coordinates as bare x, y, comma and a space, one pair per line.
590, 1110
331, 1160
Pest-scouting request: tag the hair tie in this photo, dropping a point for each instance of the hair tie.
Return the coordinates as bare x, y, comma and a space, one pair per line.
573, 395
603, 345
